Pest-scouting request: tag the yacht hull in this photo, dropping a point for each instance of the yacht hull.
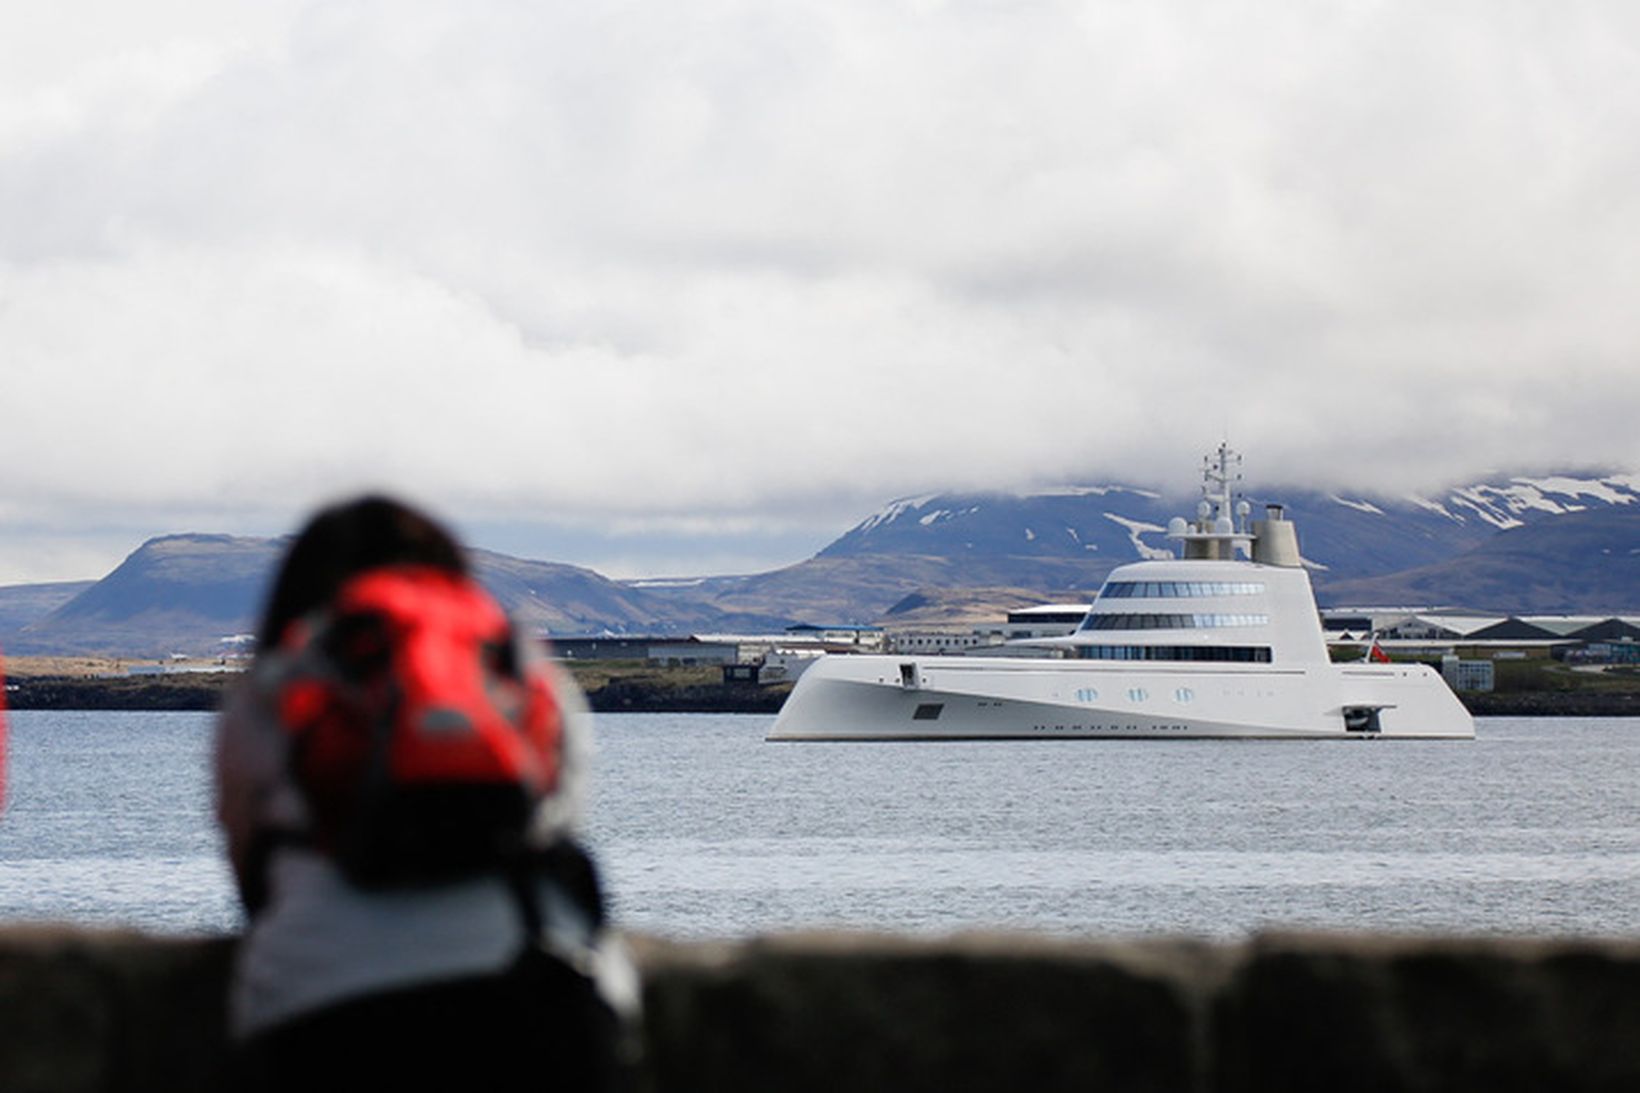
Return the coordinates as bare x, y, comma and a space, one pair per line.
980, 698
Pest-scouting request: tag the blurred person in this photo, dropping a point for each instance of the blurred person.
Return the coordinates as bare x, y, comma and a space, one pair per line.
397, 778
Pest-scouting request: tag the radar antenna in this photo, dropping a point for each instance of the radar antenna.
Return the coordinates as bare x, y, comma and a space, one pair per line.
1221, 471
1220, 530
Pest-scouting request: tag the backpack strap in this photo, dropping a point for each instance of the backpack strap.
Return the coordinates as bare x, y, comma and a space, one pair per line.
560, 904
568, 958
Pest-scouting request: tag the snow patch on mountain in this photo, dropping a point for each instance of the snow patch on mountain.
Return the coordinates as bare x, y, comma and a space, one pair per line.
1074, 491
945, 514
1612, 491
1358, 506
1503, 505
894, 510
1475, 498
1520, 496
1134, 529
1089, 491
1435, 507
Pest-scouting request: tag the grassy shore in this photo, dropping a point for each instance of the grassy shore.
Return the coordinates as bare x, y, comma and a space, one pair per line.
1543, 687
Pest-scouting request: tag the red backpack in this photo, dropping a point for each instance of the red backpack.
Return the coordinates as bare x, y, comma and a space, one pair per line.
419, 741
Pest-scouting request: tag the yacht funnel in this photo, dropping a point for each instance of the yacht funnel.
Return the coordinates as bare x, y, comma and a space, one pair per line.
1275, 539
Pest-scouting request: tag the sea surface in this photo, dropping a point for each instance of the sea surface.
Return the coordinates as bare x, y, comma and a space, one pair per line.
703, 829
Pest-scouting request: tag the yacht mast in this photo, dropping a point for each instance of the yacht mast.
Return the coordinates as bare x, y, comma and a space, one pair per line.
1220, 527
1217, 487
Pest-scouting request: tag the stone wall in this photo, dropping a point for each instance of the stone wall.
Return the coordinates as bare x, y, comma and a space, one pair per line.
94, 1010
86, 1010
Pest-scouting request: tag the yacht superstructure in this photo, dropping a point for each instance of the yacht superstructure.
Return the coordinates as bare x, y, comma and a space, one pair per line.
1222, 641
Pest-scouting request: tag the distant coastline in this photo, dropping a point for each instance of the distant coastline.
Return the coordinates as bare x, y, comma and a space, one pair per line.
635, 690
624, 688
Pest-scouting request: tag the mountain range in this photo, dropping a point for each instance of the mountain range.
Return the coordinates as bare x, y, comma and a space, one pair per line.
993, 548
197, 594
1562, 543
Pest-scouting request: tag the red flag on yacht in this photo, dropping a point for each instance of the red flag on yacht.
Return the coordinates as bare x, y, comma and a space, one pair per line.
1376, 654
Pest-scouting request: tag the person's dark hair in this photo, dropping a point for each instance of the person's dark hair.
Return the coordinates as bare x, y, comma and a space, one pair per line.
347, 539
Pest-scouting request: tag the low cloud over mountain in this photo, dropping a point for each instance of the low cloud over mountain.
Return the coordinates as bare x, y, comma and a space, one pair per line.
1560, 543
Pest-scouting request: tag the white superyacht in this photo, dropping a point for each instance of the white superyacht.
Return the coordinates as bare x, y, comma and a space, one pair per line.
1222, 641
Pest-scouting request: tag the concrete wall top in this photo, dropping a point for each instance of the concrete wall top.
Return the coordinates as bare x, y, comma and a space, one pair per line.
85, 1010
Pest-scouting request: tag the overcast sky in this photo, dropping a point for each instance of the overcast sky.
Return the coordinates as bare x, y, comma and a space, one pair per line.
681, 287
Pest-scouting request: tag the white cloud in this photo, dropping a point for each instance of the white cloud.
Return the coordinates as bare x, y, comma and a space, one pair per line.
734, 260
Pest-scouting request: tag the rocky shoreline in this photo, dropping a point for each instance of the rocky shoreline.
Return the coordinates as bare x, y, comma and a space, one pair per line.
203, 691
1554, 704
194, 691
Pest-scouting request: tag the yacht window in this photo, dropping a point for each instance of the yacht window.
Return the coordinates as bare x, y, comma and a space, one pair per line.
1154, 590
1245, 654
1201, 621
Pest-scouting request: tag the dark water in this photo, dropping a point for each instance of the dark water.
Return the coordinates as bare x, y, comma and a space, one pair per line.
703, 829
